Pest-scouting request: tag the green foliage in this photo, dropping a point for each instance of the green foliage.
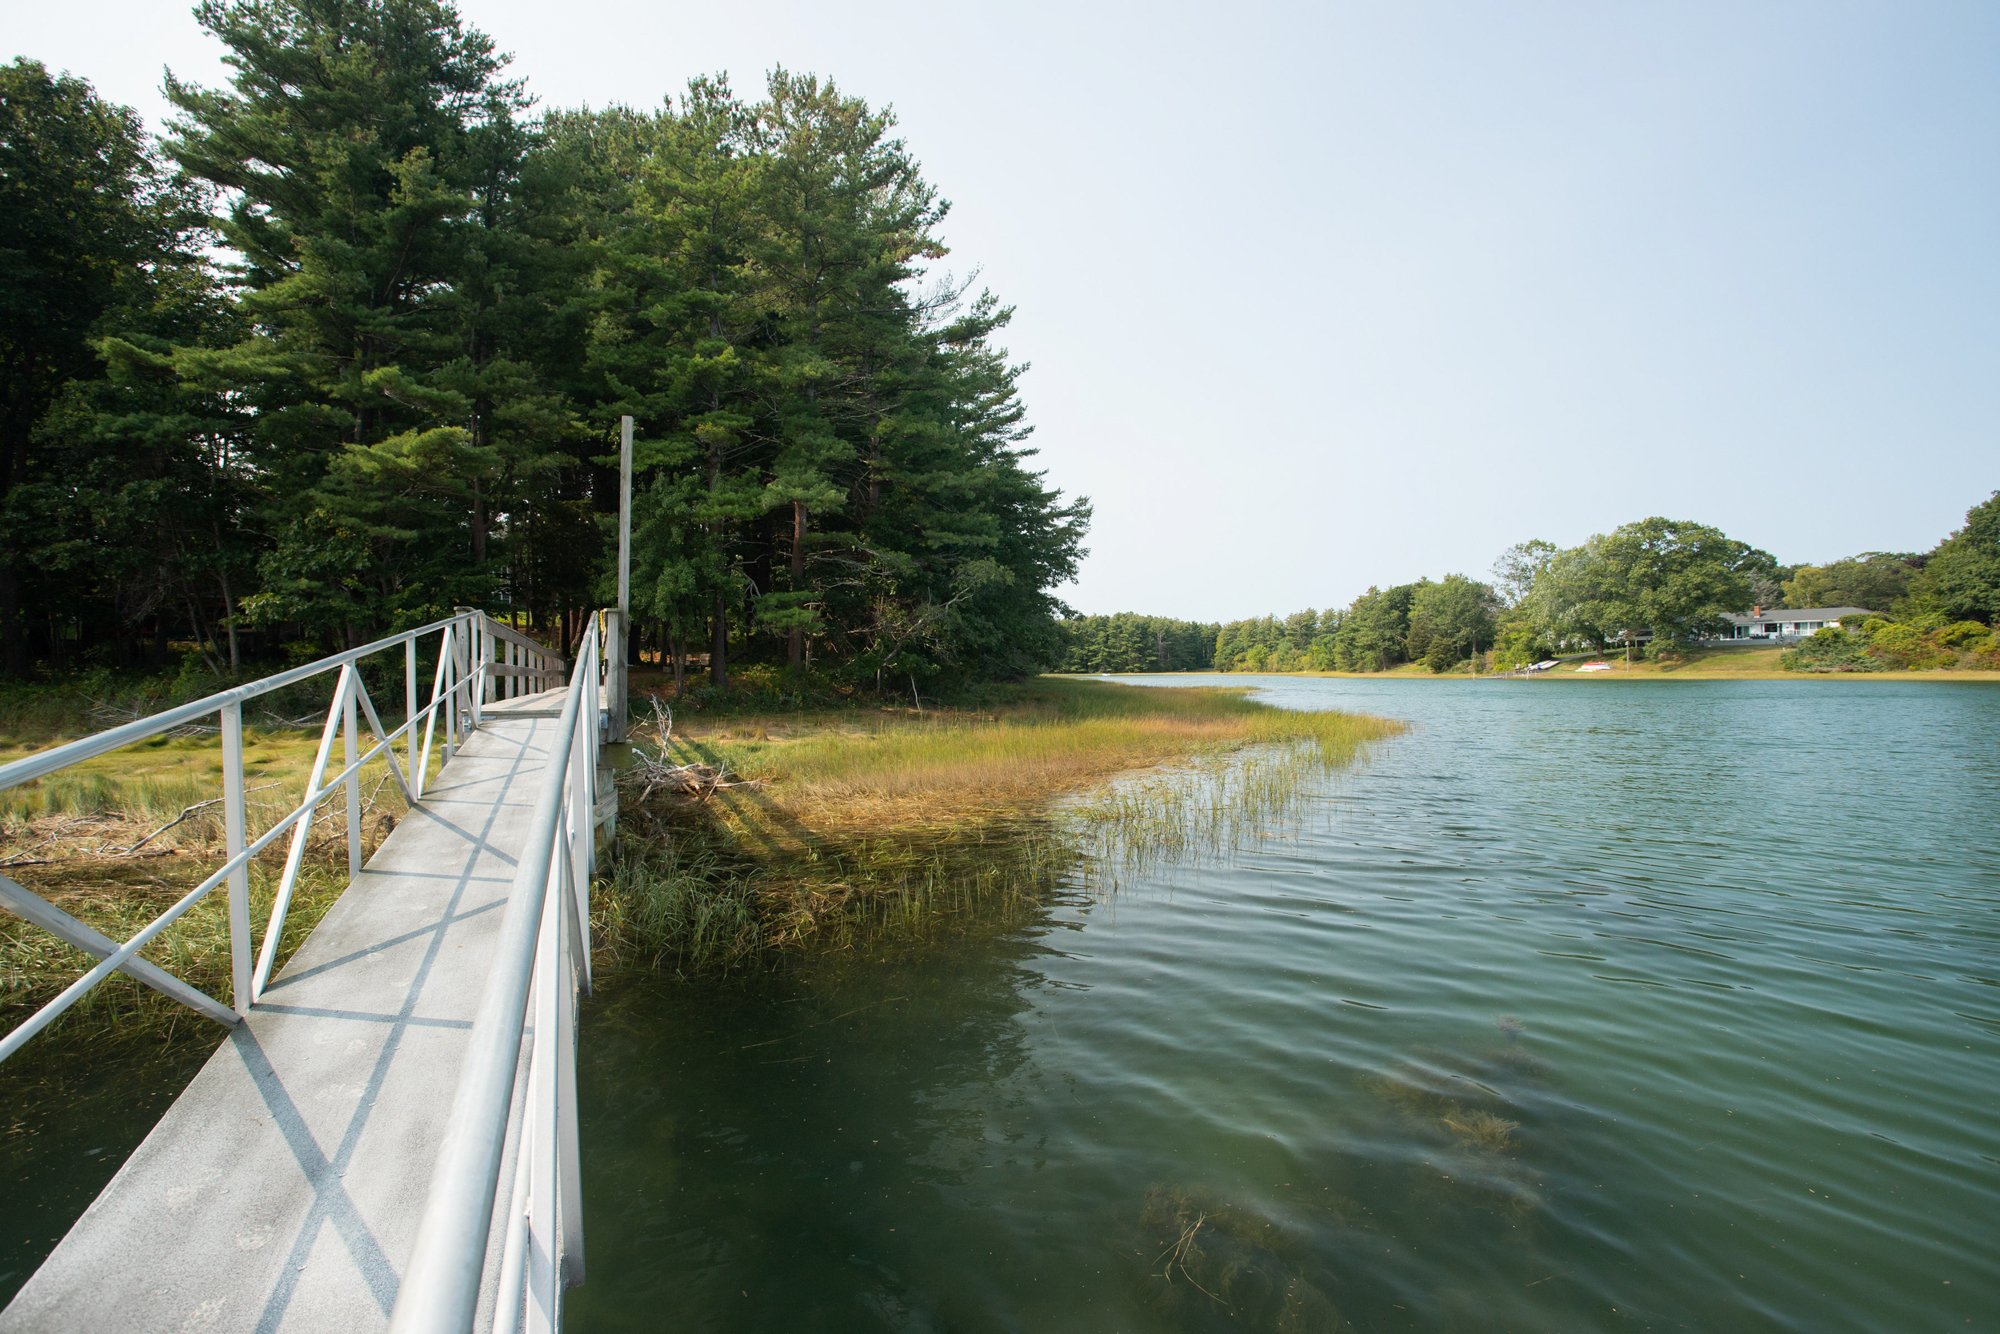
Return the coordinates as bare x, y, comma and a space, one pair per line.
1672, 578
1907, 647
1668, 579
1374, 632
1518, 567
118, 493
1516, 645
1965, 637
1830, 649
1960, 581
1451, 621
399, 392
1127, 642
1875, 580
1919, 644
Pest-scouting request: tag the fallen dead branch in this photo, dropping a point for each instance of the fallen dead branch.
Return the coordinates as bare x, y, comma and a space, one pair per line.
186, 811
113, 714
657, 773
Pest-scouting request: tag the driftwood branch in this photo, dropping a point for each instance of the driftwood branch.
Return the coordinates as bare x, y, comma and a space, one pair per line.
186, 811
656, 773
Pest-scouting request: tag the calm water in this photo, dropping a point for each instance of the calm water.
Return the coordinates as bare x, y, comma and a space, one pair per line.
1580, 1006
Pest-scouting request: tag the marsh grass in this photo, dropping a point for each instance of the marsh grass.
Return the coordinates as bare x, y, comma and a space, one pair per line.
106, 842
843, 827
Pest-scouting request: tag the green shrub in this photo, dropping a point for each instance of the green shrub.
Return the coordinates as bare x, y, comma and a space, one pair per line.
1907, 648
1965, 637
1831, 650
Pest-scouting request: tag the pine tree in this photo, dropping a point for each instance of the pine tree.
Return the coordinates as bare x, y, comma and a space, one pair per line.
354, 143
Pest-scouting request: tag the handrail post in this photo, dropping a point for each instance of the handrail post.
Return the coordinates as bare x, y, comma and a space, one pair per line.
233, 834
350, 737
544, 1121
410, 715
448, 682
614, 675
568, 1155
482, 679
582, 834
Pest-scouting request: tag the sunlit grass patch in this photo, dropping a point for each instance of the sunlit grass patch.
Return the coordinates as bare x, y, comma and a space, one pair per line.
884, 771
833, 824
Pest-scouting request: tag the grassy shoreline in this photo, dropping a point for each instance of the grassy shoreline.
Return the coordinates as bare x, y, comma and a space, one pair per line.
117, 839
831, 824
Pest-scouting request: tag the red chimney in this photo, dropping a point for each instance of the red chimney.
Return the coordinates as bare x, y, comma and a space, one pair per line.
1756, 611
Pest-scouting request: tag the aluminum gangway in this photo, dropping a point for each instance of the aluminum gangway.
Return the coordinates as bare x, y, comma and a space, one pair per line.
387, 1136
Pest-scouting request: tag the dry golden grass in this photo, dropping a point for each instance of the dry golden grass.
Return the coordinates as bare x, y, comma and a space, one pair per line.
892, 817
113, 842
888, 771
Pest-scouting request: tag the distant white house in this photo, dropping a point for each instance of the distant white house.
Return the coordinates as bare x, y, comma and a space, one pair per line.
1787, 625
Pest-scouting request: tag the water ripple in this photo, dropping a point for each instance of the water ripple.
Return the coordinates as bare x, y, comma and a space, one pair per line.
1578, 1006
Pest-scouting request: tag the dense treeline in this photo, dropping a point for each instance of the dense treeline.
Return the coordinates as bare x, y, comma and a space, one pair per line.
349, 346
1656, 586
1129, 643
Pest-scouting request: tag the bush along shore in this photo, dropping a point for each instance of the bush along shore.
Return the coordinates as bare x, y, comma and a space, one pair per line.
747, 836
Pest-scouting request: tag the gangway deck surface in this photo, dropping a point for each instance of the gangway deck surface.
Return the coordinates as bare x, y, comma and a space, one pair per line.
283, 1190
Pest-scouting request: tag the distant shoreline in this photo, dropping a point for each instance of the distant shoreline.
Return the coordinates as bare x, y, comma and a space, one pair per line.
1639, 672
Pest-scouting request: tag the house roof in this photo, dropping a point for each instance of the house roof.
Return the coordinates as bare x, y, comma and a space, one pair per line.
1798, 614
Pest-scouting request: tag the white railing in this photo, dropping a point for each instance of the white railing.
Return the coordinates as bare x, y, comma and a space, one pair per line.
479, 661
542, 958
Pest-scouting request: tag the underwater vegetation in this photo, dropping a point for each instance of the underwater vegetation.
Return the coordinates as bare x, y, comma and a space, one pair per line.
1468, 1105
1219, 1266
1466, 1113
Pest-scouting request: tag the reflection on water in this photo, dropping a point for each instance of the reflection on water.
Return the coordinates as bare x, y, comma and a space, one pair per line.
69, 1124
1577, 1005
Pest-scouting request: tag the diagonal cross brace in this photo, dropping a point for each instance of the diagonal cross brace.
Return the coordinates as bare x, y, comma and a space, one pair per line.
26, 904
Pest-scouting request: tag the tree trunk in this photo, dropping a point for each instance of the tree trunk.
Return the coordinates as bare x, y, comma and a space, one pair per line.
479, 520
795, 640
13, 634
718, 644
229, 617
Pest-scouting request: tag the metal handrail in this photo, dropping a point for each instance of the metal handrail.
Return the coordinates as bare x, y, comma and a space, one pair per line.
46, 762
543, 951
468, 642
541, 959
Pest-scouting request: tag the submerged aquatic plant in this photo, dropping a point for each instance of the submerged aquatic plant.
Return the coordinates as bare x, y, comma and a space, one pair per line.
1479, 1129
1221, 1257
1466, 1104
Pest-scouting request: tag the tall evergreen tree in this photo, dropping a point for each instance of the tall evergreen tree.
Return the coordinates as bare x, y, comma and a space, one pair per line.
82, 227
357, 144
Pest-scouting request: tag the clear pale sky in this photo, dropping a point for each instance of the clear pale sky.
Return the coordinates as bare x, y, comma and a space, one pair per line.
1320, 296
